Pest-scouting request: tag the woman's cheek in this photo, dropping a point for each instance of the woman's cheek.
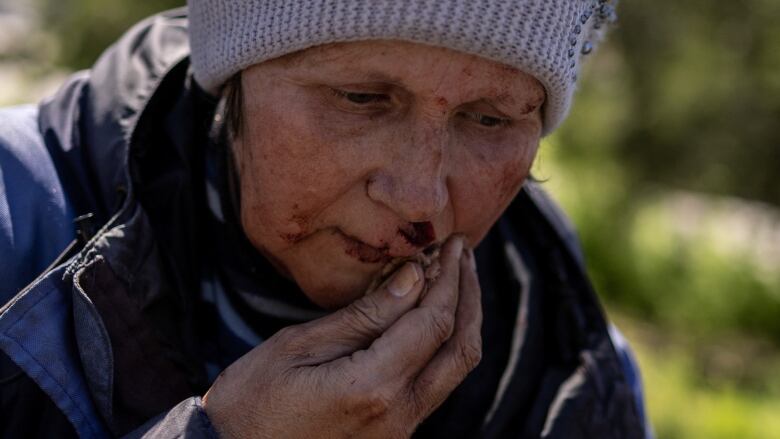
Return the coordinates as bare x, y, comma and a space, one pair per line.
513, 173
489, 184
300, 165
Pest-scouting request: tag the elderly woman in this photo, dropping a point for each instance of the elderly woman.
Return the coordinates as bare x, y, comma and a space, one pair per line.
305, 219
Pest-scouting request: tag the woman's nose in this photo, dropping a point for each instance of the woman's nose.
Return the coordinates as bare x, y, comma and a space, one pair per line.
413, 183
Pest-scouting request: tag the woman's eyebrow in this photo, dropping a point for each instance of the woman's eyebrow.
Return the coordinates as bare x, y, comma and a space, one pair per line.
374, 76
527, 104
508, 101
503, 99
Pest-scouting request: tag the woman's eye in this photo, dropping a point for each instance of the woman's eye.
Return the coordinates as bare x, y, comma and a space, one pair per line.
361, 98
486, 121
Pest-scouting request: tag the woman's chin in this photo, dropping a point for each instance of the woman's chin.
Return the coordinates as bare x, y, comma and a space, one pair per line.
334, 292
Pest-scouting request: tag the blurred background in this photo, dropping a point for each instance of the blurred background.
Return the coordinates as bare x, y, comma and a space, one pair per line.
668, 167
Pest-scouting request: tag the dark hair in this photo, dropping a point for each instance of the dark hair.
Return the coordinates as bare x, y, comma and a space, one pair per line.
233, 114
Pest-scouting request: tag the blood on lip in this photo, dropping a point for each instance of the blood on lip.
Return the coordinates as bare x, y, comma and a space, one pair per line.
364, 252
420, 234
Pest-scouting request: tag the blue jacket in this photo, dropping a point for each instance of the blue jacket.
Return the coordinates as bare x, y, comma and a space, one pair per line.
88, 303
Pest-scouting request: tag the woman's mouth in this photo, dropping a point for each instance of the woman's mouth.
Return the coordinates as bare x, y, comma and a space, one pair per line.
364, 252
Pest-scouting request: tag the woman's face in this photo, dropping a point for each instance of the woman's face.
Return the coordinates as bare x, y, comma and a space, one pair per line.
352, 154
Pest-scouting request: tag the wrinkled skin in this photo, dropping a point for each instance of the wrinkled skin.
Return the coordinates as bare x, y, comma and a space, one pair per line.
374, 369
361, 139
352, 155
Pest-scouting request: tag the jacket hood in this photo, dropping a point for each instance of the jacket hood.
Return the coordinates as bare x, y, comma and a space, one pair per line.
92, 122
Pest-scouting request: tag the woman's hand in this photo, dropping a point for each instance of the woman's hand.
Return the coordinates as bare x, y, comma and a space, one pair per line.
374, 369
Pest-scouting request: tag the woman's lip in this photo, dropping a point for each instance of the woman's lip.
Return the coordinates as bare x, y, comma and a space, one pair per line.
364, 252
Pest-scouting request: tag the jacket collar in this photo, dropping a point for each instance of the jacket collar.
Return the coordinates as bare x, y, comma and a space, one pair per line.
90, 128
93, 121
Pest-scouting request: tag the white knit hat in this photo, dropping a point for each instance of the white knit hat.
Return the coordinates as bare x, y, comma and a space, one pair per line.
544, 38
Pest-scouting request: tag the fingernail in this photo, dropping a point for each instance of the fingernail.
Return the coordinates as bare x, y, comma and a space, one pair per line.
404, 280
472, 260
459, 246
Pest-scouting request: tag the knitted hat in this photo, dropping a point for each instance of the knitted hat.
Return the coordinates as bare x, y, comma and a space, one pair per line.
544, 38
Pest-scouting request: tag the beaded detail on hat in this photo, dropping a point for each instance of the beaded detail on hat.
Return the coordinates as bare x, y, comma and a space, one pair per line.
599, 14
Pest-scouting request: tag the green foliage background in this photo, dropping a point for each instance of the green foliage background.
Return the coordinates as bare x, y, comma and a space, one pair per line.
668, 166
86, 27
686, 97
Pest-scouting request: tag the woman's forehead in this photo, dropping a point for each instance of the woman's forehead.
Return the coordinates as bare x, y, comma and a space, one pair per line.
414, 66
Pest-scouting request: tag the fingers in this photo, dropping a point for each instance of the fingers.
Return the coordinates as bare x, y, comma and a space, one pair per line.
357, 325
462, 352
412, 341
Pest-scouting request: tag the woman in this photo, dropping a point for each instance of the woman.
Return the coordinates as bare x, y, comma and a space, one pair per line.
257, 220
